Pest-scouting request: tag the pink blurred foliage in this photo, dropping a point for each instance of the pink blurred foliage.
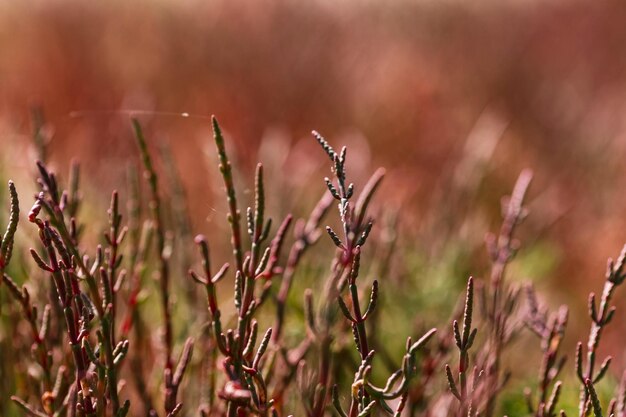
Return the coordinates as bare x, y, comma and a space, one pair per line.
410, 78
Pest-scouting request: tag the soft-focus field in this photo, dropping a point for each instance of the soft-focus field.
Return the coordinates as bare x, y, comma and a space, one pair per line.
453, 99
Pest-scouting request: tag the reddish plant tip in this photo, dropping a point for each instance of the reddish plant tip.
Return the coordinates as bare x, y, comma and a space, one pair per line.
34, 211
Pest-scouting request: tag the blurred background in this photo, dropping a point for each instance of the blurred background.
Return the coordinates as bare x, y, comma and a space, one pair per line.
454, 98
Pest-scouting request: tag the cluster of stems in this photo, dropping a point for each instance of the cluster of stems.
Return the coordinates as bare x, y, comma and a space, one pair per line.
356, 227
84, 299
601, 315
172, 377
550, 329
464, 340
92, 334
94, 391
245, 389
499, 299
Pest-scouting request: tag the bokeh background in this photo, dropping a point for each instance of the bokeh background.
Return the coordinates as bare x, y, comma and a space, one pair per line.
454, 98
